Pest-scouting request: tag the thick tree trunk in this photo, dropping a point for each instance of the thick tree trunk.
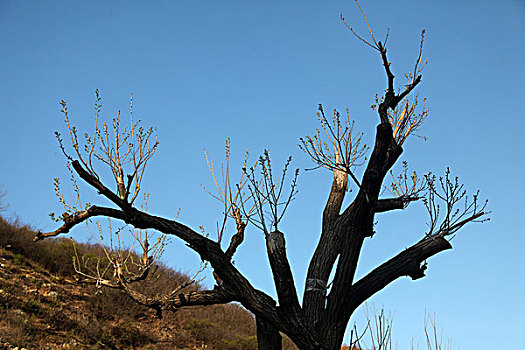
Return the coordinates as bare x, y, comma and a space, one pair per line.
268, 338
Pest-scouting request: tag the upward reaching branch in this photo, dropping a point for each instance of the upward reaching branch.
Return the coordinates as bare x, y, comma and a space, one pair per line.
391, 99
233, 200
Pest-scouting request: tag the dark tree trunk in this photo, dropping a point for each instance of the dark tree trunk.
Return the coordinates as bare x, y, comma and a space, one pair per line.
268, 337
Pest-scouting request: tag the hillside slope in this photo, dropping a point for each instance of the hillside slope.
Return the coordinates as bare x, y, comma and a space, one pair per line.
42, 307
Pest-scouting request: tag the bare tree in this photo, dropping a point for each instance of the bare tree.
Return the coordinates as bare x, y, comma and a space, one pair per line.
3, 194
260, 199
377, 333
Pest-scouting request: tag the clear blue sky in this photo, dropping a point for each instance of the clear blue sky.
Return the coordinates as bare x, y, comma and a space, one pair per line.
255, 72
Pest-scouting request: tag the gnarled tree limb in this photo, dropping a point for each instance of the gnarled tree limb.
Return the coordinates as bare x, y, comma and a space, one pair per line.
406, 263
254, 300
71, 221
236, 240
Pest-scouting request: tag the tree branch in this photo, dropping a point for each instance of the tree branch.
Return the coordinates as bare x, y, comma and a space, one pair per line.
336, 196
408, 89
71, 221
176, 301
236, 240
391, 99
254, 300
170, 302
282, 274
390, 91
388, 204
406, 263
103, 190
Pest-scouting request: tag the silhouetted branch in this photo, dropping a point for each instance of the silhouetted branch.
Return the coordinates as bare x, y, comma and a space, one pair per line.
388, 204
71, 221
458, 211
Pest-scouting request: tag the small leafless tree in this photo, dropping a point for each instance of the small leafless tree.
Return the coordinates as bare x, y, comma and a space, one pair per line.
377, 333
3, 195
119, 155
